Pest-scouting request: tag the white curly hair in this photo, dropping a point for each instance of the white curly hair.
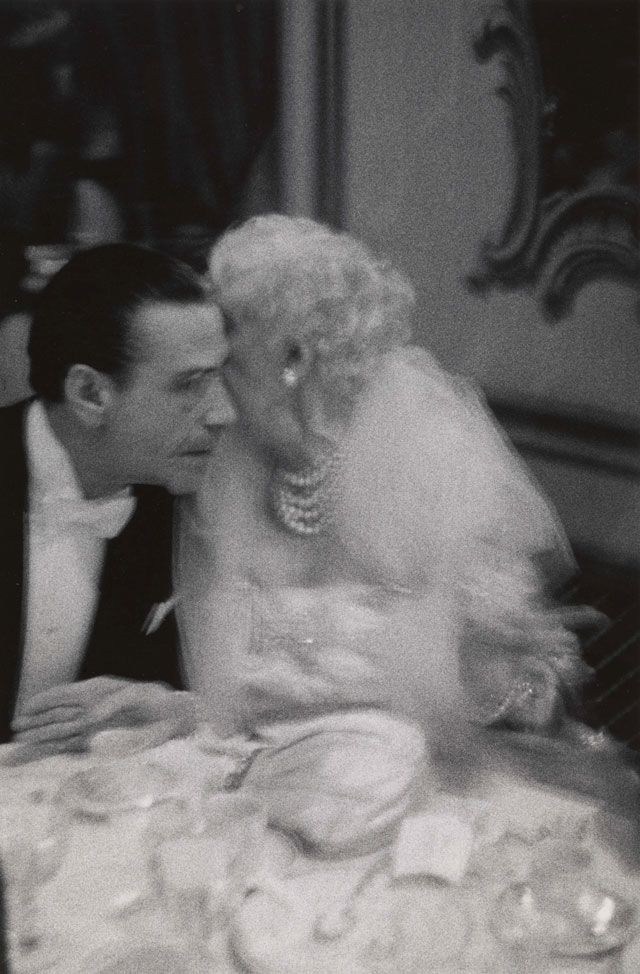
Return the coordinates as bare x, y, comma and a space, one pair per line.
276, 272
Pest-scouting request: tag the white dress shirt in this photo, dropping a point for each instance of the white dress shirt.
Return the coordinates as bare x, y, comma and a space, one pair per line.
65, 549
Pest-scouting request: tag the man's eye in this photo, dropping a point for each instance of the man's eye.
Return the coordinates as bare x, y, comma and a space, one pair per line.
192, 381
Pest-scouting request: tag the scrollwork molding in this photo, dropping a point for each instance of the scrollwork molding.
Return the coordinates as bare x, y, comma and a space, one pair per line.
557, 243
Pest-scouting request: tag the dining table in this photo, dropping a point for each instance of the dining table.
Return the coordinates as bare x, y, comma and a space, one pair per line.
143, 854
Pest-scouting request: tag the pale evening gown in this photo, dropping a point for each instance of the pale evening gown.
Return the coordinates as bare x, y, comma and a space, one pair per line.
436, 526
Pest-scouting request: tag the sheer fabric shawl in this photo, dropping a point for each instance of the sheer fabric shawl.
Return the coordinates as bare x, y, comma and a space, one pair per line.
430, 489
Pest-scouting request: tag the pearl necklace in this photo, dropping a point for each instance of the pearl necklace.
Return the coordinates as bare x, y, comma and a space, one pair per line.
301, 501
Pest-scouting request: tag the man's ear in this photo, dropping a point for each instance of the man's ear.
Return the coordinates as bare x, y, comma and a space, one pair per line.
88, 393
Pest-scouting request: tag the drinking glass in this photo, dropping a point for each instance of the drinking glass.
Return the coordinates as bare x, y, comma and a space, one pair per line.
34, 833
563, 919
203, 875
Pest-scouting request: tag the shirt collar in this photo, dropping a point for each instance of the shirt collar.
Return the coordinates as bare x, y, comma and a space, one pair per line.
51, 472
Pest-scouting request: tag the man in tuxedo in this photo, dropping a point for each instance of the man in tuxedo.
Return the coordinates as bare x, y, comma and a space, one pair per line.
126, 353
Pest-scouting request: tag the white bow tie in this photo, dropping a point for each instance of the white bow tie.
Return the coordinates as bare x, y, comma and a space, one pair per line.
102, 518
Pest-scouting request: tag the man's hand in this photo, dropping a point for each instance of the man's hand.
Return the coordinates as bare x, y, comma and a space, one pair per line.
63, 718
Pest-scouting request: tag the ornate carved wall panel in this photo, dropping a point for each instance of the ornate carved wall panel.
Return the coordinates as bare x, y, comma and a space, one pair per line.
570, 73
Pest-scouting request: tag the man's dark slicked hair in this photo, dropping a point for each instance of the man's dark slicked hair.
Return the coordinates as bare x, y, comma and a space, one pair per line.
82, 316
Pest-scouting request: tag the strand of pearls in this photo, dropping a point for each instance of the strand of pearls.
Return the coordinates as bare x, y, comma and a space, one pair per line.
301, 500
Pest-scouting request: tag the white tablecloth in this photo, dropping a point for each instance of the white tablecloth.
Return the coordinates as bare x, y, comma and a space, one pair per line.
104, 898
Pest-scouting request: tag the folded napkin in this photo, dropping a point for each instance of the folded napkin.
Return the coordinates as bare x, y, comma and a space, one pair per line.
340, 783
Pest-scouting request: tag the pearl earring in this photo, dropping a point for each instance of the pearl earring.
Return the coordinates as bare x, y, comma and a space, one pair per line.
289, 378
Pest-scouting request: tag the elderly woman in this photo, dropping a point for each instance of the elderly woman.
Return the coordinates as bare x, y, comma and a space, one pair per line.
367, 537
368, 581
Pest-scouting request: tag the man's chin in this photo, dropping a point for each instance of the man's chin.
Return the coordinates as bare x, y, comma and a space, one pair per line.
190, 475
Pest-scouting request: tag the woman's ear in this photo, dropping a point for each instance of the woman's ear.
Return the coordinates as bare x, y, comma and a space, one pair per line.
88, 393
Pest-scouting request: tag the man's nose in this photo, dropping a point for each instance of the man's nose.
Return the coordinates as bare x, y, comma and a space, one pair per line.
219, 409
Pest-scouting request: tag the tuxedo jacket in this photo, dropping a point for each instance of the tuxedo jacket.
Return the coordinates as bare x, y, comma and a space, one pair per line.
136, 578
